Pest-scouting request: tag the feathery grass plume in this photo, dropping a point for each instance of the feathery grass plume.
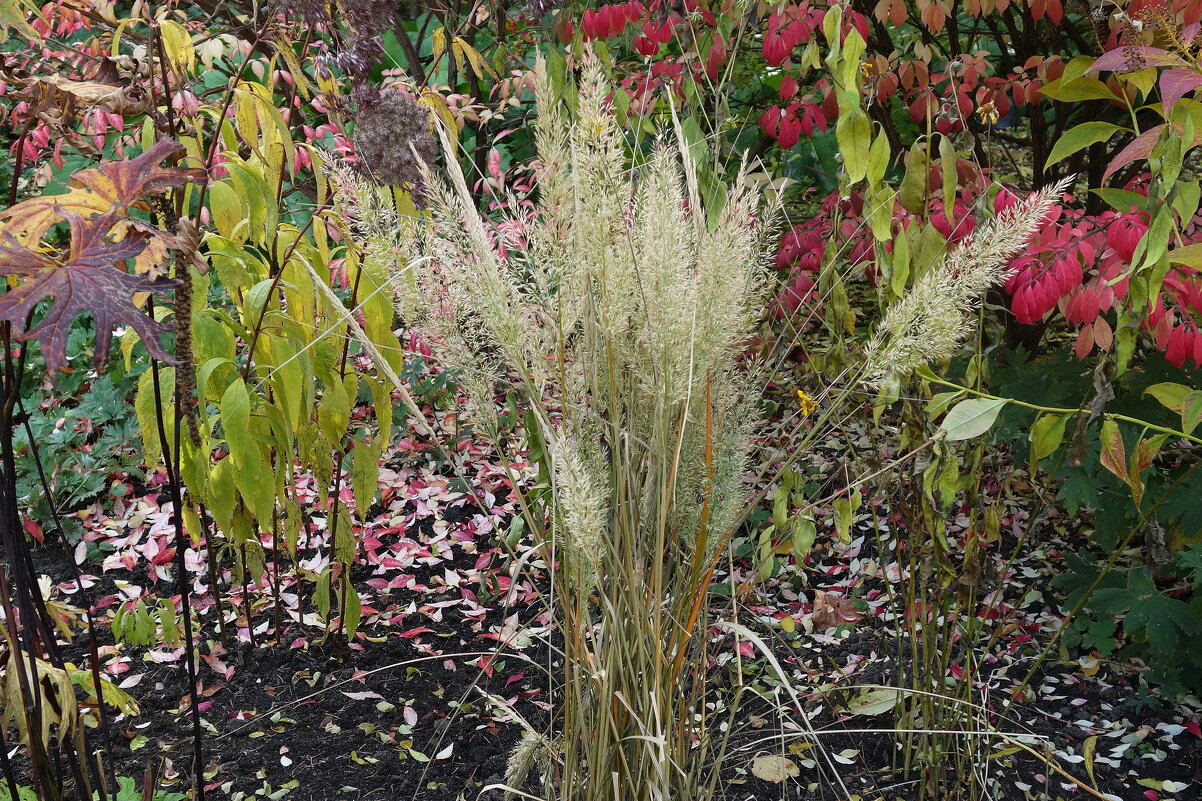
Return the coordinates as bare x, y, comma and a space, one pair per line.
582, 502
620, 325
930, 322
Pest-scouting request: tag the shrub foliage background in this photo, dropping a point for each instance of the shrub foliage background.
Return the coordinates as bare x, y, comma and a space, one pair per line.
220, 216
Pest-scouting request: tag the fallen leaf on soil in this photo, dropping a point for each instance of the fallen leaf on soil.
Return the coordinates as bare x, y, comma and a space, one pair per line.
833, 610
873, 702
774, 768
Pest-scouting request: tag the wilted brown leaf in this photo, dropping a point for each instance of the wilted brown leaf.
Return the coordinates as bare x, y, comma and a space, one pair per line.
833, 610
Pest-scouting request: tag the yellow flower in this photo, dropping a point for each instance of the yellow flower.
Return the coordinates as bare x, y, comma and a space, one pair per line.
808, 404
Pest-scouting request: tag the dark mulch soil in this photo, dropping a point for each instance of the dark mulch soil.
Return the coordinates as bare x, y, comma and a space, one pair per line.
422, 704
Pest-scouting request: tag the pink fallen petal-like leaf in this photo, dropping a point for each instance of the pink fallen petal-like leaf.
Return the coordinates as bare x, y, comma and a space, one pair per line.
366, 695
411, 633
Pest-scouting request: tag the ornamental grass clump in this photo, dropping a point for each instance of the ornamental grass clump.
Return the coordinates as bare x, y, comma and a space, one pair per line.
615, 312
619, 322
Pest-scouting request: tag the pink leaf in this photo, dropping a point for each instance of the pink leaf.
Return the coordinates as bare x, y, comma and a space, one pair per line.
1175, 84
1135, 58
1140, 148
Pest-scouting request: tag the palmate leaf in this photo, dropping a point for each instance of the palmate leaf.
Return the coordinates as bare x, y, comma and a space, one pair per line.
85, 278
111, 188
1166, 623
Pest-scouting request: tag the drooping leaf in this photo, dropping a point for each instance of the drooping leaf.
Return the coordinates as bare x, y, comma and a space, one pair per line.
1046, 435
235, 418
1191, 411
1114, 454
12, 15
1170, 395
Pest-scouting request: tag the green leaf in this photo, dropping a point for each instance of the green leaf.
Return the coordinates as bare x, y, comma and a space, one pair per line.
845, 508
1080, 137
144, 410
1121, 199
947, 165
854, 135
354, 611
231, 217
220, 494
971, 418
365, 475
878, 160
235, 419
1189, 255
1046, 435
321, 595
803, 534
12, 15
912, 194
874, 701
1079, 89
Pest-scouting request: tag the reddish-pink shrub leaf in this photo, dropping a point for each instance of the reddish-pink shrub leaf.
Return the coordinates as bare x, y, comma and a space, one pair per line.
1140, 148
1176, 83
1135, 58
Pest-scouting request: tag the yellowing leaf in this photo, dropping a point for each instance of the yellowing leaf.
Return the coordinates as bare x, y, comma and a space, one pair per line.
178, 45
1114, 453
12, 15
1046, 435
774, 768
111, 187
1170, 395
874, 701
438, 42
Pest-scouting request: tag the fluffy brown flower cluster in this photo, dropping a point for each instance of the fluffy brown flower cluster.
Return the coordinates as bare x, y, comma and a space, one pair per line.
392, 140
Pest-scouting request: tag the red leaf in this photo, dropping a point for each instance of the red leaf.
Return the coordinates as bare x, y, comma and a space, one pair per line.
35, 531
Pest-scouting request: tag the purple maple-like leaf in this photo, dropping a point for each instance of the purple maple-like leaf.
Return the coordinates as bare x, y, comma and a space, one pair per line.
86, 278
